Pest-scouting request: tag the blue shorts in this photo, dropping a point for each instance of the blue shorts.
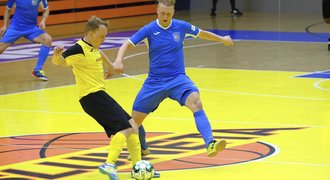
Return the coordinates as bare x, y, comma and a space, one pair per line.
155, 90
12, 34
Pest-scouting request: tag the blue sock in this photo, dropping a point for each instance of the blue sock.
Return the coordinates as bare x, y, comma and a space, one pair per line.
142, 137
43, 54
203, 125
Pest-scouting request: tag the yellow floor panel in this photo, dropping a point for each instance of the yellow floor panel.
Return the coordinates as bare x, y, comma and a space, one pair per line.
277, 126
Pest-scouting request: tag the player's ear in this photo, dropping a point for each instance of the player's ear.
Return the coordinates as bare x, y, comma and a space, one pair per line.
90, 34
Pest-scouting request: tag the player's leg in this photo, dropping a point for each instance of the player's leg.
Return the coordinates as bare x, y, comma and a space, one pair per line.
40, 36
187, 94
142, 134
116, 122
144, 150
145, 102
133, 142
329, 34
234, 11
232, 4
203, 125
193, 102
9, 37
3, 47
143, 143
46, 42
326, 16
116, 145
138, 116
117, 142
142, 138
214, 7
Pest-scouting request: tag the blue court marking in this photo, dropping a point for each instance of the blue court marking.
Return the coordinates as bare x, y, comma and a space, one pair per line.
319, 75
114, 40
274, 36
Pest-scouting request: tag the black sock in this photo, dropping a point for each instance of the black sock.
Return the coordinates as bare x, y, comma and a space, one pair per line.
232, 4
214, 5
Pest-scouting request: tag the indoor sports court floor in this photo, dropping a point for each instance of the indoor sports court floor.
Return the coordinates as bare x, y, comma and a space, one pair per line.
268, 95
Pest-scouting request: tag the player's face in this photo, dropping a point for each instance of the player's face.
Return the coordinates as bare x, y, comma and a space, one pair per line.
99, 35
165, 14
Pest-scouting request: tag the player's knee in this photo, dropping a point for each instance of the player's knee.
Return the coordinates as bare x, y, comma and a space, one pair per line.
198, 104
126, 132
135, 127
2, 49
48, 41
135, 130
195, 105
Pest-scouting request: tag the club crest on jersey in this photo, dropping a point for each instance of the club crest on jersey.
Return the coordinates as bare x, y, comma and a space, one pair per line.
176, 36
193, 28
34, 2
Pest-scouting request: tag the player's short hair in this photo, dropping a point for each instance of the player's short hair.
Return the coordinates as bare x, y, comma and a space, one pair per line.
167, 2
94, 23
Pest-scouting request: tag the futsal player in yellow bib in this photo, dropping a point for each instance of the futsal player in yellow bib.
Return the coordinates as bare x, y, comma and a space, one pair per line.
87, 63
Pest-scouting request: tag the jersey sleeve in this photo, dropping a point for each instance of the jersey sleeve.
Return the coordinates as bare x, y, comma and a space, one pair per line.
10, 4
191, 30
139, 36
44, 4
73, 55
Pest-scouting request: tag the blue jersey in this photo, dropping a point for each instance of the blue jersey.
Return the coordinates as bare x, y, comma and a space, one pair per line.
26, 12
165, 46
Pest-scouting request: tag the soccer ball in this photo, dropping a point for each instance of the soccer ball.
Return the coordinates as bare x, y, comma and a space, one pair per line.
143, 170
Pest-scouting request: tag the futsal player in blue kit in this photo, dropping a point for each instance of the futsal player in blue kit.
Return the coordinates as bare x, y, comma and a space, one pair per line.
167, 77
24, 24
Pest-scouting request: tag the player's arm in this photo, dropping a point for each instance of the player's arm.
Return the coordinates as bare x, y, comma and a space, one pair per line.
109, 67
118, 65
45, 14
57, 57
227, 41
6, 17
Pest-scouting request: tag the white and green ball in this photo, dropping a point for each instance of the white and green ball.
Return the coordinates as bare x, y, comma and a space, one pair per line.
143, 170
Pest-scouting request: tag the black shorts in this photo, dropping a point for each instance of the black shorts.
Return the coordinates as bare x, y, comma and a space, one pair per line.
106, 111
326, 9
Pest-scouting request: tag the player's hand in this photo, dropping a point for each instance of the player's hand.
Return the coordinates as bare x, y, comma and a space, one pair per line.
42, 25
227, 41
119, 66
58, 50
110, 72
57, 58
3, 30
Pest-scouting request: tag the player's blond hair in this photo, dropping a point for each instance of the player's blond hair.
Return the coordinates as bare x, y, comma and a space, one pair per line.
167, 2
94, 23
